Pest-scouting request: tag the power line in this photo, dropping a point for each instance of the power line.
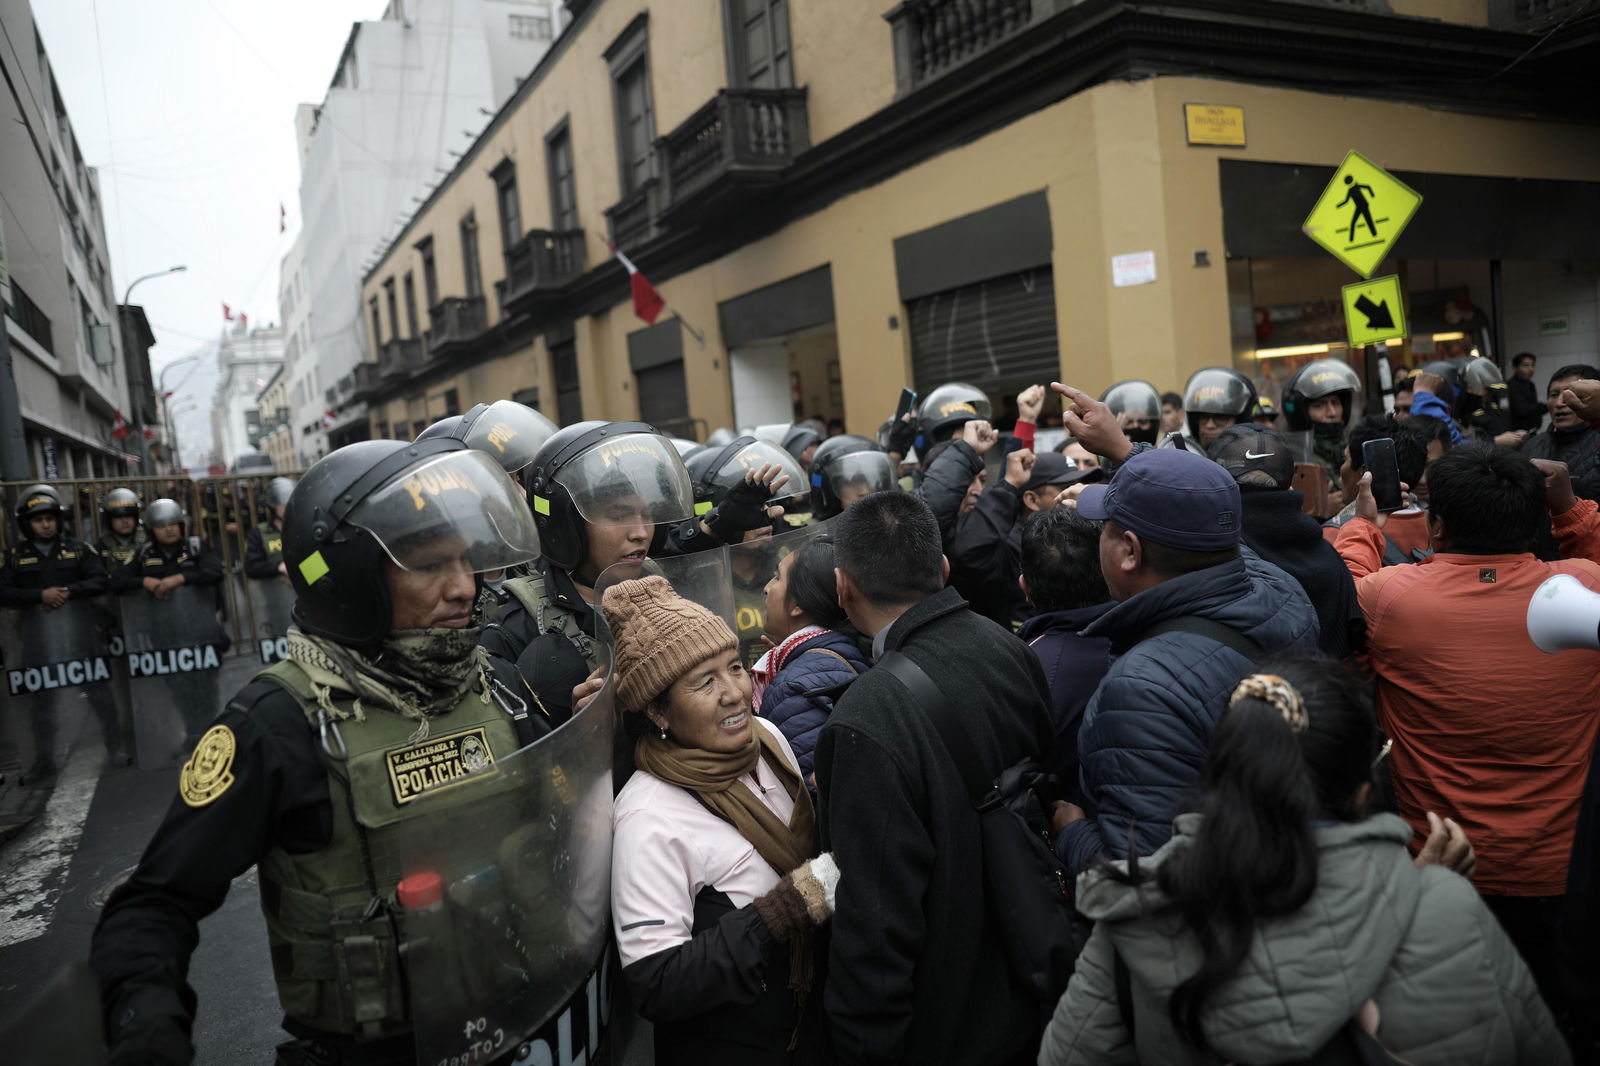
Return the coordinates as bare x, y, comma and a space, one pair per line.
111, 151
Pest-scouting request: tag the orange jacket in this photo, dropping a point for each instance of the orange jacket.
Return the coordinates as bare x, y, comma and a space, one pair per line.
1487, 729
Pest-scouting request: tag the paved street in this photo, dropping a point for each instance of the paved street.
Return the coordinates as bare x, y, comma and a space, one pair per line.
55, 875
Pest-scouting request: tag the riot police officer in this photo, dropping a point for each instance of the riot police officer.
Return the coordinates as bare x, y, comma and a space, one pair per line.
124, 535
171, 558
798, 439
945, 410
1214, 399
263, 545
384, 543
1320, 399
846, 468
1137, 406
44, 570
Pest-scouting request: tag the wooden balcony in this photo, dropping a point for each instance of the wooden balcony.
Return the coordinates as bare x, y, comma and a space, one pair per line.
399, 359
635, 219
453, 323
538, 267
732, 150
364, 381
933, 37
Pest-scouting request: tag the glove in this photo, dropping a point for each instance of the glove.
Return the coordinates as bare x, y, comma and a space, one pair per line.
744, 508
902, 436
158, 1040
804, 897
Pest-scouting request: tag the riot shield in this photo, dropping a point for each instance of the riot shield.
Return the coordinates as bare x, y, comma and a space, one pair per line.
57, 663
512, 960
174, 651
269, 605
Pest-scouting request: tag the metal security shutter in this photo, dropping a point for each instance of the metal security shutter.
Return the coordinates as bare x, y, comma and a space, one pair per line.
664, 399
999, 334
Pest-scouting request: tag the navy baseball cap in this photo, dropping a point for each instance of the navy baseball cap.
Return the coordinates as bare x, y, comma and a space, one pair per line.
1177, 498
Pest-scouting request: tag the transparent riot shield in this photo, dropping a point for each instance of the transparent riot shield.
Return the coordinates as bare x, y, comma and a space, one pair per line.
269, 605
173, 650
57, 665
508, 959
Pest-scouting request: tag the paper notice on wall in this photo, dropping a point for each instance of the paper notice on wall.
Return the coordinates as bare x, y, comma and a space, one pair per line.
1135, 268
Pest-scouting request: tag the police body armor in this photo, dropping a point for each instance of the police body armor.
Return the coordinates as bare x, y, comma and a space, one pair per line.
549, 671
120, 553
331, 914
271, 542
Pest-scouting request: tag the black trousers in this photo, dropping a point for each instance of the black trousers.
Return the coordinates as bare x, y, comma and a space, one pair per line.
1543, 930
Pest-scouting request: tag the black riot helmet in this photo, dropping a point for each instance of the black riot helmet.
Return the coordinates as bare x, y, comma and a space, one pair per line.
1479, 375
794, 437
715, 471
946, 408
1217, 390
1449, 369
1319, 378
846, 468
605, 473
279, 489
36, 500
1140, 401
384, 500
509, 432
166, 512
120, 503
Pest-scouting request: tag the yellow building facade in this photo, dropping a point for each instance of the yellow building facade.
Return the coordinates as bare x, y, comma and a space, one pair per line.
834, 202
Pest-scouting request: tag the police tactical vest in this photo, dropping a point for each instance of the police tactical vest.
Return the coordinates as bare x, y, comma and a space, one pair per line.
271, 543
332, 918
550, 617
120, 554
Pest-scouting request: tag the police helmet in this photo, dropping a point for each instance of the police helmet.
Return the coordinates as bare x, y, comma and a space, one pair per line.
1449, 369
1217, 390
946, 408
685, 446
36, 500
1479, 375
846, 468
715, 471
509, 432
585, 471
794, 438
165, 512
1140, 401
279, 489
1319, 378
1265, 411
120, 503
720, 436
384, 499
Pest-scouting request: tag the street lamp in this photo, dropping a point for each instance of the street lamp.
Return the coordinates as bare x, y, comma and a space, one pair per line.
158, 274
144, 447
161, 395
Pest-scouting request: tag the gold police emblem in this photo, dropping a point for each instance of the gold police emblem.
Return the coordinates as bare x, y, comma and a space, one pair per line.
208, 773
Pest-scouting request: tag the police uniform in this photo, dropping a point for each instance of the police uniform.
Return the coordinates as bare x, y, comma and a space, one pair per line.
263, 551
191, 557
544, 603
65, 562
119, 551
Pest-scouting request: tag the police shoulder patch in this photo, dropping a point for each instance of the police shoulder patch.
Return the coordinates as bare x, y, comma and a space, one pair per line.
209, 771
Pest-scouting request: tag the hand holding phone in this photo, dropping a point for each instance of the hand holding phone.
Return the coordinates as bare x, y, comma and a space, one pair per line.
1379, 457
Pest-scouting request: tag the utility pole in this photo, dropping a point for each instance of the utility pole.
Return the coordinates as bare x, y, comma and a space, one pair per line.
14, 464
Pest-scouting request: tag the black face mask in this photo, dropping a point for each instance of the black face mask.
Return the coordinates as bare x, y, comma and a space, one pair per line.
1143, 436
1328, 430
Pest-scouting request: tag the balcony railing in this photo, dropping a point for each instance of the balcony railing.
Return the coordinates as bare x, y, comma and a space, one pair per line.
935, 36
34, 322
455, 320
364, 380
633, 219
399, 358
539, 265
742, 138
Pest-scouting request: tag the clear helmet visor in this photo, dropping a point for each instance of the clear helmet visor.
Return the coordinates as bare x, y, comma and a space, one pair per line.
853, 476
754, 456
1136, 399
1324, 377
509, 432
954, 401
632, 479
1218, 392
459, 508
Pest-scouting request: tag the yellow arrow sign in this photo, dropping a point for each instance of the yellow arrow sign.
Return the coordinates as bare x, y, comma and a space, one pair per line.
1360, 214
1374, 310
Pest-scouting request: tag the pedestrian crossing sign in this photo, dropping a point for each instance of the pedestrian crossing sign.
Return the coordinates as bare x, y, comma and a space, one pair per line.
1375, 311
1360, 214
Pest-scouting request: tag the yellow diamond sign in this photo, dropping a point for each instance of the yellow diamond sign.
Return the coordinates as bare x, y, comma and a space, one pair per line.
1360, 214
1374, 310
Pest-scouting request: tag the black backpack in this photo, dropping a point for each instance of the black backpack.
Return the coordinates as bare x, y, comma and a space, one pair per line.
1026, 883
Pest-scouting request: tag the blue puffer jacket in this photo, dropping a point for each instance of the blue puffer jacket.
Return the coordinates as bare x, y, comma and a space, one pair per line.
1143, 742
795, 703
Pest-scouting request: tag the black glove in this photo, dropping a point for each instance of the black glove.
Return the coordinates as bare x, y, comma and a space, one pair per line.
902, 436
745, 508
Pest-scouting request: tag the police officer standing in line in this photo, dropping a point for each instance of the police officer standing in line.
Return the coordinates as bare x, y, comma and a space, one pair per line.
602, 494
385, 543
124, 535
263, 545
44, 570
171, 558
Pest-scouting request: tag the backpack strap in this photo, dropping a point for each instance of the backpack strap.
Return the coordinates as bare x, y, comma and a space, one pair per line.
1211, 630
940, 712
836, 655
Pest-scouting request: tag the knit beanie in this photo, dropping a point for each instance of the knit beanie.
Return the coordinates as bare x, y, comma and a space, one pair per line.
658, 636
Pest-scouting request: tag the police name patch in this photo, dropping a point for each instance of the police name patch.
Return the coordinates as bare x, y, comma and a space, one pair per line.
209, 771
436, 763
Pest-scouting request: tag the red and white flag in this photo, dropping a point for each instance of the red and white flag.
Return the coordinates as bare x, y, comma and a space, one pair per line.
647, 303
119, 428
328, 419
227, 312
244, 320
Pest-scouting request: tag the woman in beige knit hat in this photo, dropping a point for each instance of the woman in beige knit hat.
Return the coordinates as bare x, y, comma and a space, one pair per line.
714, 893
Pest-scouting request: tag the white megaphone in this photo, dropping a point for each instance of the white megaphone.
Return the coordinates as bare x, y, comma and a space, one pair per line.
1564, 614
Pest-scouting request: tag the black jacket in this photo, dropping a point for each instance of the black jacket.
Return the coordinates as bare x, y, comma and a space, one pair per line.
1073, 665
69, 564
1527, 409
1576, 448
191, 557
944, 485
917, 971
1276, 529
984, 545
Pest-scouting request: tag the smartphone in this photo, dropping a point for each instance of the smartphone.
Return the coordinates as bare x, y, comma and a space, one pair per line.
908, 400
1385, 468
1311, 481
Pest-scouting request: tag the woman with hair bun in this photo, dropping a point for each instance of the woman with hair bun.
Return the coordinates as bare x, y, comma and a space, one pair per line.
1285, 922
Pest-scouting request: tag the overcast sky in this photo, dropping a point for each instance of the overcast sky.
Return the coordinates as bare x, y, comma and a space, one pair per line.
186, 108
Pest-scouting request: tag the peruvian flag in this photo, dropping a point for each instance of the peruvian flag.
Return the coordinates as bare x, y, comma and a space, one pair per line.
283, 217
647, 303
119, 428
329, 418
227, 312
244, 320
